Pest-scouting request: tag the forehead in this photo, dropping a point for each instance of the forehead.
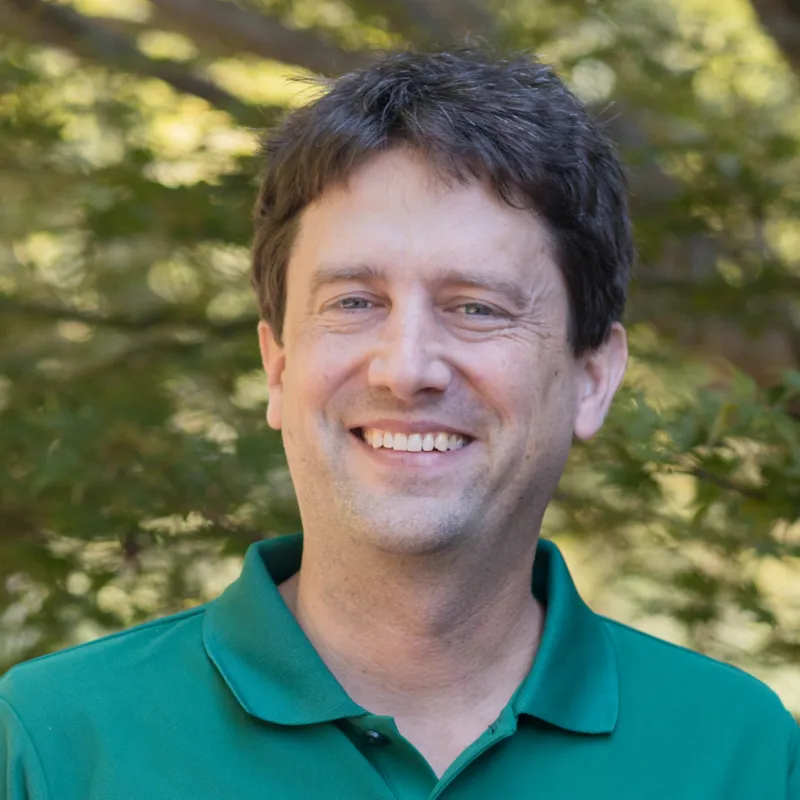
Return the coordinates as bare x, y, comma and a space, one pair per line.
397, 214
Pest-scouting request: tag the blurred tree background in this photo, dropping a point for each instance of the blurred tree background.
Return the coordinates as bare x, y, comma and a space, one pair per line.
135, 463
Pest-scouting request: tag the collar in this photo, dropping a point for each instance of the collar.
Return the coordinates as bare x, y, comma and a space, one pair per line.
275, 673
574, 681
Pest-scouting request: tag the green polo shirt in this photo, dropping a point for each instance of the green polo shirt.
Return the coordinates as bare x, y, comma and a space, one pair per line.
230, 700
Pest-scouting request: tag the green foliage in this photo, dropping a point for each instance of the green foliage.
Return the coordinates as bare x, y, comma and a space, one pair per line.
136, 461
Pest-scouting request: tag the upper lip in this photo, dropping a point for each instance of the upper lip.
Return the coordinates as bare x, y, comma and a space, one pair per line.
417, 426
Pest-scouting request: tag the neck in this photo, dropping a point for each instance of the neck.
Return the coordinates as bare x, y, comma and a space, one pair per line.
410, 634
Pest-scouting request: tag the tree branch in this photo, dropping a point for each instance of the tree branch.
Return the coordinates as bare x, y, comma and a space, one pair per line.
662, 293
40, 21
781, 18
768, 284
216, 23
464, 17
410, 18
442, 21
704, 475
45, 312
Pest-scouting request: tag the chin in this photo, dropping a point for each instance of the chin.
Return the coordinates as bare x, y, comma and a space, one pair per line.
410, 535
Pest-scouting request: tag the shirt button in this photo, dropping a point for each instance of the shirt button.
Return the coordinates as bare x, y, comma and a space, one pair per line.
376, 739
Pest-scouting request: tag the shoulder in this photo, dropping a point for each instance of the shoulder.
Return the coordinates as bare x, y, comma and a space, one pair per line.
684, 682
107, 667
679, 709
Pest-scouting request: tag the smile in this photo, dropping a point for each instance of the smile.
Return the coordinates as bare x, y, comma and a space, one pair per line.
412, 443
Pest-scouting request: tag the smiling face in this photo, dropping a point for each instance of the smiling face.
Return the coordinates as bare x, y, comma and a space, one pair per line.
422, 314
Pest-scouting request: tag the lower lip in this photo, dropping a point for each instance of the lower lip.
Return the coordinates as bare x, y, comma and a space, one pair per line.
403, 458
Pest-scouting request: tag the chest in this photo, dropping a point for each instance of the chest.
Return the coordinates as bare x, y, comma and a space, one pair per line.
458, 759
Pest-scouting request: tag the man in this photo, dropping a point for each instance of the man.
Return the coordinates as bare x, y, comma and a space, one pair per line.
441, 256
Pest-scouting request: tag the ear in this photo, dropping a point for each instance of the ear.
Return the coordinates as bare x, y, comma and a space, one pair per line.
599, 378
273, 358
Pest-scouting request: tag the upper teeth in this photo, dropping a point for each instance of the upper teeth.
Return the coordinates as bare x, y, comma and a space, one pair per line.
414, 442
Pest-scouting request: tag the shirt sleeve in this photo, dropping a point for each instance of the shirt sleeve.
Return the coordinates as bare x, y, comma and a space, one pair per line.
21, 775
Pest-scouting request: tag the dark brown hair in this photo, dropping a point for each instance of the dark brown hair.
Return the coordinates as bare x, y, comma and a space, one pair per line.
473, 115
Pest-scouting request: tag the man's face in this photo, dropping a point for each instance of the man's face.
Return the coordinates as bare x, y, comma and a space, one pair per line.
423, 315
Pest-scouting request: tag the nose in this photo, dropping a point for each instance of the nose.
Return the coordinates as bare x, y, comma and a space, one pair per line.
409, 357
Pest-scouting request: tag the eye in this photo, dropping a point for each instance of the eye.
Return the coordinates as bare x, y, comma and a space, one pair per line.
478, 310
351, 303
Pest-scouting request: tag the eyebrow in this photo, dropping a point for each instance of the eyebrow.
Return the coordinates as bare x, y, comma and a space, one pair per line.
494, 283
339, 273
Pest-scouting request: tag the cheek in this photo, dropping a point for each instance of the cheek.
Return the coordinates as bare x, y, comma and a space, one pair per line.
513, 384
310, 364
531, 395
313, 378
